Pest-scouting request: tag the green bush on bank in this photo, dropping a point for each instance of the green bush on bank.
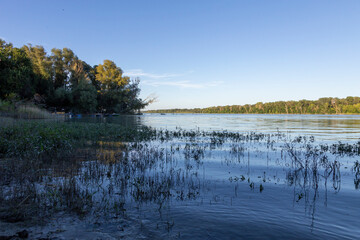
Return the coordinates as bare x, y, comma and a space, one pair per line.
35, 139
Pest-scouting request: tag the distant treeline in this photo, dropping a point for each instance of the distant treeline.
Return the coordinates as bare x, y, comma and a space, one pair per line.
64, 82
349, 105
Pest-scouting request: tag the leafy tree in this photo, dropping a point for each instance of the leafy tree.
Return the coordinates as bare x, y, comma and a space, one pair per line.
42, 68
132, 92
90, 74
117, 93
42, 64
84, 97
62, 99
15, 72
110, 76
69, 70
59, 72
67, 82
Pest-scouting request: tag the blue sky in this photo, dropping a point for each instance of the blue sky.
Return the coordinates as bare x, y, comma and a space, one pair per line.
205, 53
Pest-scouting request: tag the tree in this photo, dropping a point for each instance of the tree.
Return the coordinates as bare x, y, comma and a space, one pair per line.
65, 81
110, 76
132, 92
84, 97
42, 64
15, 72
116, 93
77, 72
42, 68
62, 99
59, 73
91, 74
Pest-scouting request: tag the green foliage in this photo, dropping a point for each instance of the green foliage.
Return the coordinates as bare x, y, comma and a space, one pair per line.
32, 140
111, 101
132, 91
62, 99
58, 68
42, 68
110, 76
41, 63
65, 82
15, 72
349, 105
44, 139
84, 97
117, 93
121, 100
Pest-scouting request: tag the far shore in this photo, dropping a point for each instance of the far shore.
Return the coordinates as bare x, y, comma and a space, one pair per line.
335, 114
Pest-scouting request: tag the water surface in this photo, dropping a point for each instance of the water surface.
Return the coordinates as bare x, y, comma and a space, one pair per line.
323, 127
193, 185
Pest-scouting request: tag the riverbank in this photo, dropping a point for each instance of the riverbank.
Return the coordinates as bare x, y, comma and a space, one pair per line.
29, 110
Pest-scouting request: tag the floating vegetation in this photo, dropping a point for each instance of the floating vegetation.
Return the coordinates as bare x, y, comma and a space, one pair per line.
104, 170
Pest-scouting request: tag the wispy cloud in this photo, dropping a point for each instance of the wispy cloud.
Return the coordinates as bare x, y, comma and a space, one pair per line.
182, 84
168, 79
141, 73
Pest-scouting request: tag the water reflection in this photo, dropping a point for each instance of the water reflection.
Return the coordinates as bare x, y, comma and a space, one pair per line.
202, 170
123, 120
324, 127
356, 170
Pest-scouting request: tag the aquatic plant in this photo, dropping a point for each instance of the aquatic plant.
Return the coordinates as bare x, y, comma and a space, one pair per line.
356, 170
103, 169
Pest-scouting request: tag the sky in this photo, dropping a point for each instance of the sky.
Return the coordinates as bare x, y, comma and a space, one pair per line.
194, 53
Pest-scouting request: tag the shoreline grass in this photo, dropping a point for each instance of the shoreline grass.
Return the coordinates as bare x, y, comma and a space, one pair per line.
24, 111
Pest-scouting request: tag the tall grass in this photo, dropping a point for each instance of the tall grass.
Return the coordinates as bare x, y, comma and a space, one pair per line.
32, 112
23, 111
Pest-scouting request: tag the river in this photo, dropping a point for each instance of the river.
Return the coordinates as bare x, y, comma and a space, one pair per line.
222, 176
